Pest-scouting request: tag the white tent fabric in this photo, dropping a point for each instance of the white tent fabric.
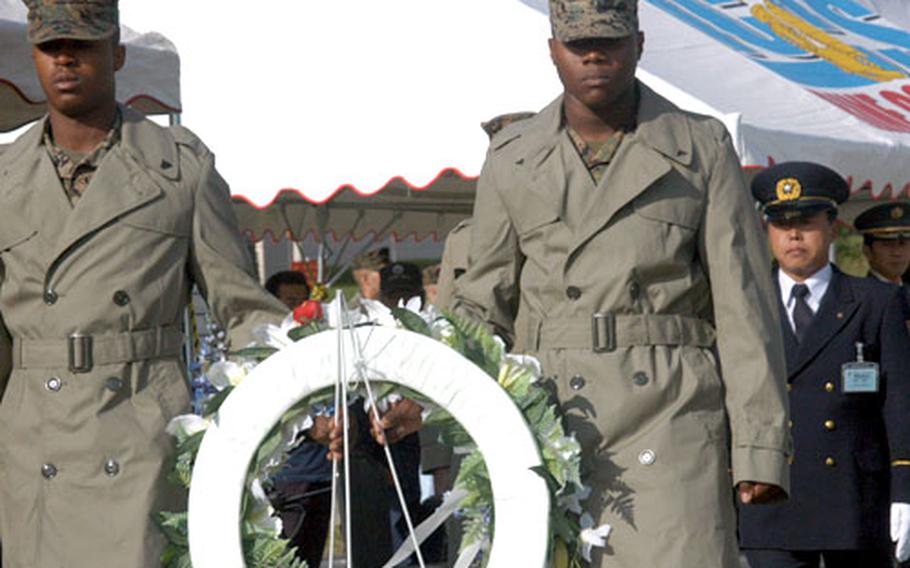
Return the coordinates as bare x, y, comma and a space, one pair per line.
826, 81
149, 82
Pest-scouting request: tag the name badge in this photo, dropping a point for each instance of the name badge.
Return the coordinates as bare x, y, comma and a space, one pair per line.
860, 377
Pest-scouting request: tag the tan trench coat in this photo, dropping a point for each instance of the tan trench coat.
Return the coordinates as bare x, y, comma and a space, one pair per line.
619, 289
83, 452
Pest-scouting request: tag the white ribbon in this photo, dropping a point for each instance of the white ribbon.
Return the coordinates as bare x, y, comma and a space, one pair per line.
423, 531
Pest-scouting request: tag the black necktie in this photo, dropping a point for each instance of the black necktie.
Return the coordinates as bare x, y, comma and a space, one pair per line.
802, 313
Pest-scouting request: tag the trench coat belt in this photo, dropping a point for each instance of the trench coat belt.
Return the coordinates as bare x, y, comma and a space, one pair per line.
606, 331
81, 352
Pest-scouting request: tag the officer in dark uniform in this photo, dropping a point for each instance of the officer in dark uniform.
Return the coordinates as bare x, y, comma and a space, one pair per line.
886, 241
848, 374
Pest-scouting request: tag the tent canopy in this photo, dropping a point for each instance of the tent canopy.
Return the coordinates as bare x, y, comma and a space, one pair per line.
149, 82
774, 73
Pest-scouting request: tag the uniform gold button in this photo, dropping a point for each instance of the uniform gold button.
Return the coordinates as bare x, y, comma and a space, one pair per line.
789, 387
790, 423
829, 462
829, 425
829, 387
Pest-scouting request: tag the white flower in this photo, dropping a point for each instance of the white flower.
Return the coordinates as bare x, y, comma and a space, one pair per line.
270, 335
260, 512
591, 537
225, 374
186, 425
378, 313
524, 362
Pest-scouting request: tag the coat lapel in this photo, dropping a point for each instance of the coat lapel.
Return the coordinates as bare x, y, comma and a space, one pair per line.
122, 182
35, 187
836, 309
660, 138
540, 155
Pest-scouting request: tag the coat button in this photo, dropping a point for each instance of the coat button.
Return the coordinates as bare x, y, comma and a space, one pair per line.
640, 378
53, 384
830, 462
789, 387
790, 424
111, 468
49, 471
121, 298
647, 457
50, 297
829, 387
113, 384
830, 425
573, 292
634, 290
577, 382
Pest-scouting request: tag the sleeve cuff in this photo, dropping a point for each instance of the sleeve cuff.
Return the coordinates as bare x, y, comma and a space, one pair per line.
763, 465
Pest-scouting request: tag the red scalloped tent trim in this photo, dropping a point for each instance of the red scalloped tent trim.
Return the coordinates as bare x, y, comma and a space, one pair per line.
342, 187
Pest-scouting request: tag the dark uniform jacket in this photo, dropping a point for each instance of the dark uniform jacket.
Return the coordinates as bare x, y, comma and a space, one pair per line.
850, 450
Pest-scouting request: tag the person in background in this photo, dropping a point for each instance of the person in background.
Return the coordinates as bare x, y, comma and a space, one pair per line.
365, 270
302, 489
848, 378
886, 241
431, 282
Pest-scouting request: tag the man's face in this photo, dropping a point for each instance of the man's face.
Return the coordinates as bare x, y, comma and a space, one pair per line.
890, 257
801, 245
77, 76
292, 295
596, 72
368, 282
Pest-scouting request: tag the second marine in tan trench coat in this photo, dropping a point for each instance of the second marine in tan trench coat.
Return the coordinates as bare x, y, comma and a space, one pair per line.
83, 451
627, 292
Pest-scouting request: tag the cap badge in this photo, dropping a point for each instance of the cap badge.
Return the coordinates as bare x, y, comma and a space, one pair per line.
897, 213
789, 189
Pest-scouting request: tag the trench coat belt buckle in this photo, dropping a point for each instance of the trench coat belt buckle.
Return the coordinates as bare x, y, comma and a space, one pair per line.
603, 332
80, 353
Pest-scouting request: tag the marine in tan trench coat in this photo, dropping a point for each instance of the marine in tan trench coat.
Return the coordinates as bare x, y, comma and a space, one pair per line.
93, 296
628, 309
647, 296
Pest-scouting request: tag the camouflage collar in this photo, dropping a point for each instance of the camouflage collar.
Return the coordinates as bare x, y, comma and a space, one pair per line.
62, 160
659, 126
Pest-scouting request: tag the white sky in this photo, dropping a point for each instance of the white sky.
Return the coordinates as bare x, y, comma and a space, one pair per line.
311, 94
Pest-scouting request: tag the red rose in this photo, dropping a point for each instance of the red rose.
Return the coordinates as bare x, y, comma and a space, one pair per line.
308, 312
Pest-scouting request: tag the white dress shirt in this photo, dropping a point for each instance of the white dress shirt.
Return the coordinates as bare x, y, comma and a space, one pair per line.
817, 283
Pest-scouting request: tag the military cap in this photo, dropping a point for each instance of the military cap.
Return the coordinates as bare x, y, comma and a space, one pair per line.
886, 221
790, 190
401, 276
587, 19
373, 260
71, 19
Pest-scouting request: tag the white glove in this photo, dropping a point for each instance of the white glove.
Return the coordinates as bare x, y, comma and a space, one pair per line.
900, 530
